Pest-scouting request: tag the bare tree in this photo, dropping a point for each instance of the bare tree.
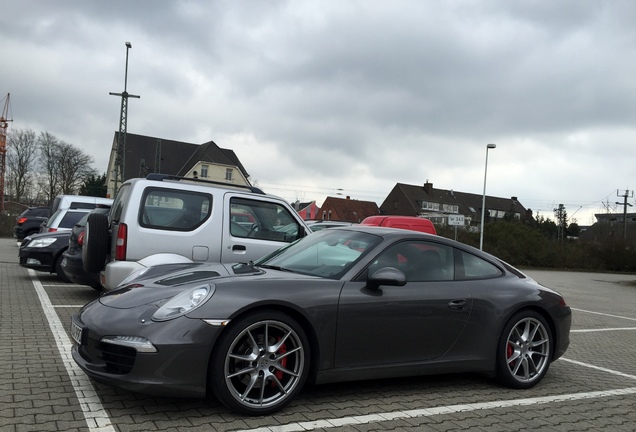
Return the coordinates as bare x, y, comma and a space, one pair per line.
74, 167
65, 167
21, 156
48, 146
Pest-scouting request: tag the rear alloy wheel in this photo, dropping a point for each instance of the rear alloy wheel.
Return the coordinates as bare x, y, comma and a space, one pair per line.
96, 242
524, 350
261, 364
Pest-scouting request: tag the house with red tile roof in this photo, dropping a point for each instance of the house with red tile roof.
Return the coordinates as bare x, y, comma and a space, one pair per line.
347, 210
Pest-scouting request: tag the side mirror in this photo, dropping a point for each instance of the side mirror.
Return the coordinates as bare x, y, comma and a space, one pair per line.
386, 276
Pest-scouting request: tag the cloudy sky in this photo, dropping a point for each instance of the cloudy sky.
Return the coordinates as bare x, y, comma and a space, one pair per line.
331, 97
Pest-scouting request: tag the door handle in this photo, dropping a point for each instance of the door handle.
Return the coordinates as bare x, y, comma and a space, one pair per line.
239, 248
459, 304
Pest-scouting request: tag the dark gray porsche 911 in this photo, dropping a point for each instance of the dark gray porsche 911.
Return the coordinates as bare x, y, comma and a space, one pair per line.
341, 304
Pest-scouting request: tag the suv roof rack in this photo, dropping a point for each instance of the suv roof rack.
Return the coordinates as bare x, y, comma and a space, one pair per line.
162, 177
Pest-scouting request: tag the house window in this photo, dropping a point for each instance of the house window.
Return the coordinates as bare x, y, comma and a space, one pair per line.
450, 208
228, 174
430, 206
204, 171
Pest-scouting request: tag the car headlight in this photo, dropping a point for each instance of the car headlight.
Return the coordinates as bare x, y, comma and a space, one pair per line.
42, 242
183, 303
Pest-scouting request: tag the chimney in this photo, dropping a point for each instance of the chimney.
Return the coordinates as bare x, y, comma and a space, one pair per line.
428, 187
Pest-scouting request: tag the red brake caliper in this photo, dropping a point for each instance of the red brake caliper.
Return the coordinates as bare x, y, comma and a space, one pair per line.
283, 361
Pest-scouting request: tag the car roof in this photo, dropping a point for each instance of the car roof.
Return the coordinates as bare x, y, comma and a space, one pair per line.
388, 232
399, 233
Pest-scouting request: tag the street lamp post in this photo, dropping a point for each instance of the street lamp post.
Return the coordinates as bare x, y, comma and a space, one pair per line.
483, 203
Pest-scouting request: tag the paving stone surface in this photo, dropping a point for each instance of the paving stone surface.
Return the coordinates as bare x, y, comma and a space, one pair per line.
39, 391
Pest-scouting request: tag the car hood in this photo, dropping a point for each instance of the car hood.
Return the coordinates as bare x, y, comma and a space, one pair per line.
50, 235
153, 291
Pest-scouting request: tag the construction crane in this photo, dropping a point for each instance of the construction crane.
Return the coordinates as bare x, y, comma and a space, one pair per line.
4, 123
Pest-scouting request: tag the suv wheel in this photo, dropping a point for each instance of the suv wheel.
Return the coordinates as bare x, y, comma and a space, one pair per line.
95, 243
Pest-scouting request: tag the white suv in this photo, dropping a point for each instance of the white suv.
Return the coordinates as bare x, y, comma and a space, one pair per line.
164, 219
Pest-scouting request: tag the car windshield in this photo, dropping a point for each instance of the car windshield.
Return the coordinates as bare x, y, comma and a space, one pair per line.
328, 253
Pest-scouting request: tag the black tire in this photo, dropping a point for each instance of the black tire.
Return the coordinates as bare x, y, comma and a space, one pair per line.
59, 270
270, 374
524, 351
96, 243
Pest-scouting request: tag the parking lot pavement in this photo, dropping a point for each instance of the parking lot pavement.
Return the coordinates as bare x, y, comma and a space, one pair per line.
592, 388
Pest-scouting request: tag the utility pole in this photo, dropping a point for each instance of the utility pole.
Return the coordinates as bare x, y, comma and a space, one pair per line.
4, 123
561, 216
120, 156
627, 194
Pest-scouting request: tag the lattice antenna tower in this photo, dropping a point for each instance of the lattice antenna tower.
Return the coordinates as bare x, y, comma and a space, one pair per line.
4, 124
120, 155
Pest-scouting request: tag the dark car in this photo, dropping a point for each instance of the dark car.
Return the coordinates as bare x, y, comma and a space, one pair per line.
341, 304
29, 222
72, 264
43, 252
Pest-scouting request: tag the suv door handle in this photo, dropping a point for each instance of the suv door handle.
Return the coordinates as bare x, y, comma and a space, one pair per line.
459, 304
239, 248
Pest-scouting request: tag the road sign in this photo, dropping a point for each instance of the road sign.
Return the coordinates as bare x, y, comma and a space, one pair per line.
456, 220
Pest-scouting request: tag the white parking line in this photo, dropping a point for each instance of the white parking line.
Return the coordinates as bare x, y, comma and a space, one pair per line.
428, 412
587, 365
94, 413
602, 330
98, 421
604, 314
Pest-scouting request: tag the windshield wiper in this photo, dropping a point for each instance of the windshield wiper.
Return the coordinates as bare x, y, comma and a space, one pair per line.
273, 267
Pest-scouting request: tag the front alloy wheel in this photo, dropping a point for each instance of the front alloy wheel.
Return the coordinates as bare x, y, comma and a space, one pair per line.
524, 350
261, 364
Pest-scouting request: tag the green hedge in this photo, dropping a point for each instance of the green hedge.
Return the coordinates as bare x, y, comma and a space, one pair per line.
526, 246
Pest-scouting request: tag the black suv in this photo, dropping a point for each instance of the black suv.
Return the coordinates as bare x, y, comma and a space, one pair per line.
29, 221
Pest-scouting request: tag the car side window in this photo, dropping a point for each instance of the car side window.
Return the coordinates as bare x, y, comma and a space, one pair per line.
475, 267
71, 218
174, 210
262, 220
420, 261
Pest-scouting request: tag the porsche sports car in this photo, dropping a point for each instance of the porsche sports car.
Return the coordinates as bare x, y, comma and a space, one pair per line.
341, 304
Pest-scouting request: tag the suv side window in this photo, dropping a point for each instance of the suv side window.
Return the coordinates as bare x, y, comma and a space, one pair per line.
262, 220
174, 210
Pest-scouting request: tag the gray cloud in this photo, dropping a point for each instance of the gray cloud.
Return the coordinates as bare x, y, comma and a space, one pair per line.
319, 96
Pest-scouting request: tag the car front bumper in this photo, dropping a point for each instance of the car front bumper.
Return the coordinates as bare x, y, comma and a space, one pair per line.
41, 259
178, 367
